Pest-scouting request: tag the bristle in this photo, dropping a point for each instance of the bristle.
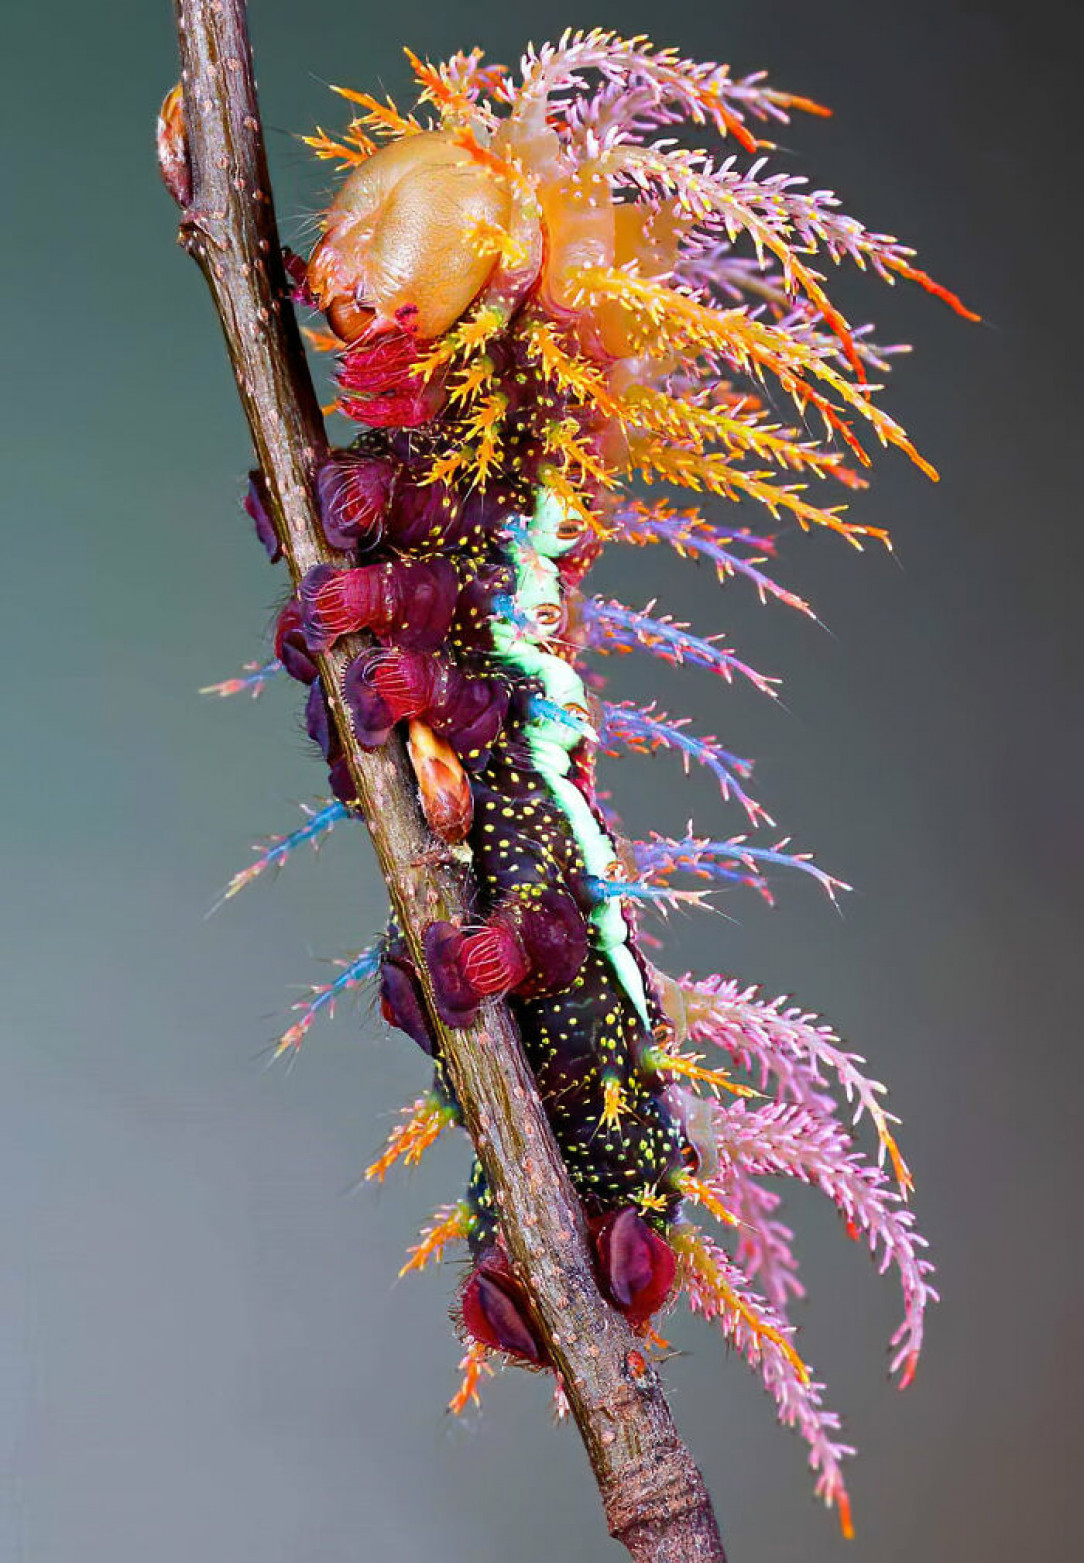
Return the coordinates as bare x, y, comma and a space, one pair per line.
776, 1040
450, 1224
658, 895
808, 1143
717, 1290
474, 1363
423, 1123
689, 535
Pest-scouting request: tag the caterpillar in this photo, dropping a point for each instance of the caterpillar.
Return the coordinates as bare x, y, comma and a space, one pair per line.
537, 299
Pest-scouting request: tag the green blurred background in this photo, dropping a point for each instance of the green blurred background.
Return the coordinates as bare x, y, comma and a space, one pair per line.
203, 1350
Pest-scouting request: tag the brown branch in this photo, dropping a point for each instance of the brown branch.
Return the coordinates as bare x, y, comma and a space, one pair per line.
654, 1496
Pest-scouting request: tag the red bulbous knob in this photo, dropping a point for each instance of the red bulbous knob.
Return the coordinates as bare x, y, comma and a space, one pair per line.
554, 936
495, 1312
638, 1266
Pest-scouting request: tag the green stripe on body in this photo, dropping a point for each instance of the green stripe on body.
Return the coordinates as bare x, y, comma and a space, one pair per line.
538, 585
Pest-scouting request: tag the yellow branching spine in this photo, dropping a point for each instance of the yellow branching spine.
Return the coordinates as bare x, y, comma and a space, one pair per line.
423, 1123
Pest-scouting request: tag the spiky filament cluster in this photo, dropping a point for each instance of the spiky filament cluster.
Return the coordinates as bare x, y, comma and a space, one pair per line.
539, 298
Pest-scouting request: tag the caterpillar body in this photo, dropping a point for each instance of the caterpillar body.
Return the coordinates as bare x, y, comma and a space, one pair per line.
536, 299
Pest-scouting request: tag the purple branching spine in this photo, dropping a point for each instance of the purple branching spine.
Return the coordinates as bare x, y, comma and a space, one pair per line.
613, 627
735, 858
644, 729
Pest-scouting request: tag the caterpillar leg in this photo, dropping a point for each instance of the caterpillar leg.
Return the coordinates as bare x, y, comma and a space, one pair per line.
385, 687
531, 944
410, 603
402, 1002
638, 1267
495, 1312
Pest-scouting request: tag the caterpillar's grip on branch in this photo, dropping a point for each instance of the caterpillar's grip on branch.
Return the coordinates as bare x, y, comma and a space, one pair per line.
536, 298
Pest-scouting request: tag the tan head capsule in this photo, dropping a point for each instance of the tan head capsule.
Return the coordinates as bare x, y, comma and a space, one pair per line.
402, 241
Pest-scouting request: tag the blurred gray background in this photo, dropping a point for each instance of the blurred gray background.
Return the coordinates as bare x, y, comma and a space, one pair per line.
203, 1349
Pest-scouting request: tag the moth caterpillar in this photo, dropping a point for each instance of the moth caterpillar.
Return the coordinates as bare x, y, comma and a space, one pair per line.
537, 298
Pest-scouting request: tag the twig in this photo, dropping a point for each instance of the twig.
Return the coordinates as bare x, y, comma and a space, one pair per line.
654, 1496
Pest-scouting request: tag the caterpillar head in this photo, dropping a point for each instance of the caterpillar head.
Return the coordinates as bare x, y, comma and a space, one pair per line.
423, 227
400, 247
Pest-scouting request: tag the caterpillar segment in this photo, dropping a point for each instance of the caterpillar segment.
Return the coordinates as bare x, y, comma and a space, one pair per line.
537, 296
